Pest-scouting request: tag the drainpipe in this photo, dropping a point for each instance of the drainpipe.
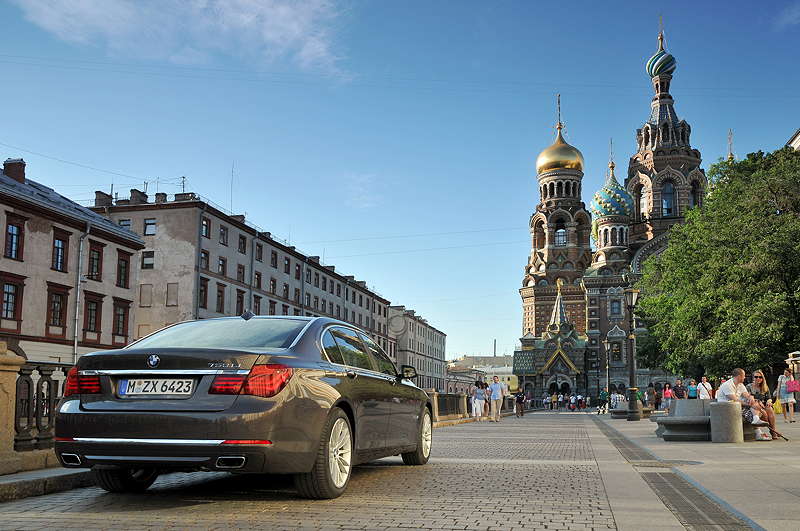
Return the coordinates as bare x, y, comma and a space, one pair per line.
78, 279
253, 271
196, 305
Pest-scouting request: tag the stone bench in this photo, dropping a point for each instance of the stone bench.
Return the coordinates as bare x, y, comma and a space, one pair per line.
694, 428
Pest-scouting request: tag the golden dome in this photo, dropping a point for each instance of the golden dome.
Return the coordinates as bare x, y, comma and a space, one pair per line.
559, 156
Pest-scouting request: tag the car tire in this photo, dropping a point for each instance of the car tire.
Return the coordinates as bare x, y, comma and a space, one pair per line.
334, 463
125, 479
421, 455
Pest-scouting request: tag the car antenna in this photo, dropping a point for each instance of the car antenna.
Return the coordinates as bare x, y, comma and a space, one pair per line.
247, 315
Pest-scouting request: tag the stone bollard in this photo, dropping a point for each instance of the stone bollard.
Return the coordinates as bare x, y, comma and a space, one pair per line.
9, 365
726, 422
464, 410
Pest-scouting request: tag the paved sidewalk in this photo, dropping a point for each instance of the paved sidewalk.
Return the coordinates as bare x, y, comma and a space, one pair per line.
758, 479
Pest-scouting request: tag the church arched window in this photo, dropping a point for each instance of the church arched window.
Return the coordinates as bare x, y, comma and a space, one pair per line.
694, 195
668, 199
560, 234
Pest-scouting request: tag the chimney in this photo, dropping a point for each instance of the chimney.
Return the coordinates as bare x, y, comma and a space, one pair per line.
15, 168
138, 197
184, 196
102, 199
161, 197
238, 217
314, 259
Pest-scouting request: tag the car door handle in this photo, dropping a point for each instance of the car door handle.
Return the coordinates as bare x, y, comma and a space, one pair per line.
352, 374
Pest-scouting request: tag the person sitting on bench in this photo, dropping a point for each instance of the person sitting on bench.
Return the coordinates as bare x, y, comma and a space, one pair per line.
760, 391
733, 390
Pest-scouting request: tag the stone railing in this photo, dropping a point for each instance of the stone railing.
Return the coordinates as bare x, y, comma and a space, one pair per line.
40, 385
448, 406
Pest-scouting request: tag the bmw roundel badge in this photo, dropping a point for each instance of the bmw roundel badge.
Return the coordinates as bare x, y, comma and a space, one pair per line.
153, 361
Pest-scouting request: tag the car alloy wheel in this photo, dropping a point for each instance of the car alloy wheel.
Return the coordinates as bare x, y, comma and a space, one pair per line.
339, 453
422, 452
427, 434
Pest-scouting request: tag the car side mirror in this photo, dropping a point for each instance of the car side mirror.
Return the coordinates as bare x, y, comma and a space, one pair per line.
408, 372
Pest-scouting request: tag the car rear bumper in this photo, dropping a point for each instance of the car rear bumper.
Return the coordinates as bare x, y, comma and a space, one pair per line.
193, 440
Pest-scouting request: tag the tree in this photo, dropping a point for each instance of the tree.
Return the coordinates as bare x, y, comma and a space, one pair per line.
725, 292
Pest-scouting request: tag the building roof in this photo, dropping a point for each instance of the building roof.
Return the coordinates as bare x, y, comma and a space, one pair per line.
44, 197
794, 140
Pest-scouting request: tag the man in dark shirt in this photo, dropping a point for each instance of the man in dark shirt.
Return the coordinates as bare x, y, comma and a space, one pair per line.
679, 391
519, 398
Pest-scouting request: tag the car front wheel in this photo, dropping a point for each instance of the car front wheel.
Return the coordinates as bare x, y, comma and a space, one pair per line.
331, 472
424, 440
125, 479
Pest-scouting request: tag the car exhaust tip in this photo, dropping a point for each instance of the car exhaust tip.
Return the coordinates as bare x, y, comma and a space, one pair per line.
70, 459
230, 462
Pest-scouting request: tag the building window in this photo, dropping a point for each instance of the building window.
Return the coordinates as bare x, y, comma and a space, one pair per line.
256, 305
361, 300
12, 298
323, 307
308, 299
240, 272
95, 261
297, 311
57, 306
205, 228
560, 234
273, 286
338, 290
338, 311
145, 295
308, 276
148, 259
285, 309
242, 244
92, 315
60, 248
316, 303
204, 260
222, 266
668, 199
257, 280
124, 223
296, 295
223, 235
272, 305
220, 298
120, 327
297, 271
616, 307
316, 280
203, 295
15, 236
287, 265
149, 226
239, 302
123, 268
260, 253
695, 195
286, 291
172, 294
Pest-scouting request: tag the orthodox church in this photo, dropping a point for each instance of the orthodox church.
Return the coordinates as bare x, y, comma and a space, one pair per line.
572, 293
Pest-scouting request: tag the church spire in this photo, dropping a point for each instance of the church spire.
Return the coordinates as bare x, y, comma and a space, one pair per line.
559, 317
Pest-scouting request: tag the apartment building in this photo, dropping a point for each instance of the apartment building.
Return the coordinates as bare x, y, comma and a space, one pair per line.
200, 261
419, 344
68, 276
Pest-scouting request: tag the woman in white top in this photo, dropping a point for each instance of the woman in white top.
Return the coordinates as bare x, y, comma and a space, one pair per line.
787, 398
478, 400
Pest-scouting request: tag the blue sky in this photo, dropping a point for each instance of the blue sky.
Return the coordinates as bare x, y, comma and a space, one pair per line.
397, 139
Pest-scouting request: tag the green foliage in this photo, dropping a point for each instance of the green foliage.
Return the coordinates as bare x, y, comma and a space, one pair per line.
726, 291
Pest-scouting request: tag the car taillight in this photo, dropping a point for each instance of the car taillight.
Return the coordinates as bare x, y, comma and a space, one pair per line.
262, 442
79, 384
263, 380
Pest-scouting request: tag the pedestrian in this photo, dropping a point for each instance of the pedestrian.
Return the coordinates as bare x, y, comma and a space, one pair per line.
602, 403
553, 400
679, 392
520, 400
560, 400
657, 396
704, 389
667, 397
572, 402
786, 397
692, 390
650, 396
497, 391
478, 400
487, 397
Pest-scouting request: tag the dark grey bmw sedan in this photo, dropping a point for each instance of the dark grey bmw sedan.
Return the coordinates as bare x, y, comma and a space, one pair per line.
305, 396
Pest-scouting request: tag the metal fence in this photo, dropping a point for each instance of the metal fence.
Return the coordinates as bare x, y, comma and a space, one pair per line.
449, 404
40, 385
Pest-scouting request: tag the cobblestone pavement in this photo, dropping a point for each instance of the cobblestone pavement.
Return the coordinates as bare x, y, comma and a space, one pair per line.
533, 473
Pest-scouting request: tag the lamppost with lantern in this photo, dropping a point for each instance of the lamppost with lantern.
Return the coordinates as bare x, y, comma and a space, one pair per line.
607, 346
634, 407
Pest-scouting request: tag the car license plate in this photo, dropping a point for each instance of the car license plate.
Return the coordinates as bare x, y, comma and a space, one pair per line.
156, 386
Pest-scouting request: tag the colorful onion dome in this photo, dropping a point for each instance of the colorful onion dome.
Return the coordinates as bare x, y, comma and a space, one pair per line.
662, 62
559, 156
612, 199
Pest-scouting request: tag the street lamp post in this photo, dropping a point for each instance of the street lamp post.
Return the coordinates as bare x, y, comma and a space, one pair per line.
634, 407
607, 346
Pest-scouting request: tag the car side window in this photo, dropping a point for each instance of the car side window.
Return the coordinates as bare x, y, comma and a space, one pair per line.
331, 348
385, 365
352, 349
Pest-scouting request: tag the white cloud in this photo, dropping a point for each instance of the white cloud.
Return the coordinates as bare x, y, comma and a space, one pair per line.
190, 31
790, 16
362, 191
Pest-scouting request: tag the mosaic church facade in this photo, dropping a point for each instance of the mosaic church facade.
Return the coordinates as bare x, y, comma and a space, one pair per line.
572, 292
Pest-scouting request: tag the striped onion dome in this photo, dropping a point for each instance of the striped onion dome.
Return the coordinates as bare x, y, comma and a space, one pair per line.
612, 199
662, 62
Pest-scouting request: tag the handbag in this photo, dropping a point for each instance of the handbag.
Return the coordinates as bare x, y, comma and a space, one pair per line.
793, 386
777, 407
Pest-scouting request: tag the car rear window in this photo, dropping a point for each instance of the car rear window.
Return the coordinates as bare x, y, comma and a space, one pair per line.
226, 333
